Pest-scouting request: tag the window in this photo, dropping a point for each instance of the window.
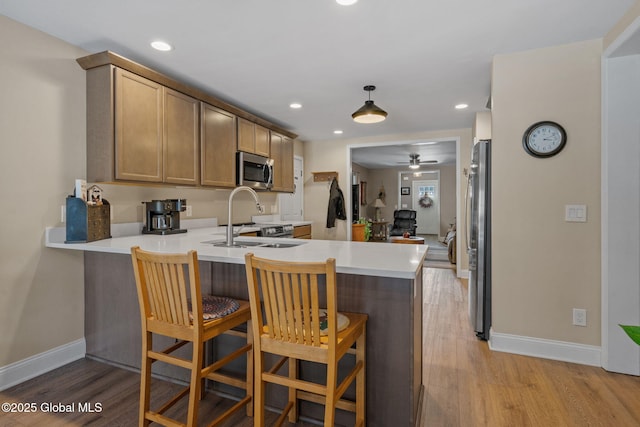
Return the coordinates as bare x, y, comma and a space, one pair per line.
426, 190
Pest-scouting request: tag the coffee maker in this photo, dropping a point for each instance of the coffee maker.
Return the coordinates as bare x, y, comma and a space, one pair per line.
163, 216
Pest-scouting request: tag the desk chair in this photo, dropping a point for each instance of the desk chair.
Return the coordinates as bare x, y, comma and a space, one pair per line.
164, 283
289, 322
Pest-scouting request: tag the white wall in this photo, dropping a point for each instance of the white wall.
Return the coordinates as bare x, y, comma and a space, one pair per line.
42, 132
543, 267
482, 125
621, 223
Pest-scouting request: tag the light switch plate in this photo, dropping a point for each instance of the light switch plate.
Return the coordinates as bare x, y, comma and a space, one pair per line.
575, 213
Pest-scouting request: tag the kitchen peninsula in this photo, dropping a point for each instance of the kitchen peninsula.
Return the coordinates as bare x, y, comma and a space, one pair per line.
382, 280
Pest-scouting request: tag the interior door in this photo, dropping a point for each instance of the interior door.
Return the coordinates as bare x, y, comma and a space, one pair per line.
426, 202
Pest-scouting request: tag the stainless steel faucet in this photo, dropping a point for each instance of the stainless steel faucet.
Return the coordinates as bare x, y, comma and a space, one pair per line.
230, 225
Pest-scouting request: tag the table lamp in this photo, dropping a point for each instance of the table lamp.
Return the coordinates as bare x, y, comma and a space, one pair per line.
378, 204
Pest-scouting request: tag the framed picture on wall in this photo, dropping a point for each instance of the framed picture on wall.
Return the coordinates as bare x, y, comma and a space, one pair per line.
405, 191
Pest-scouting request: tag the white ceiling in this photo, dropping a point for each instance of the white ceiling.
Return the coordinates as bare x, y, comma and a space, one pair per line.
261, 55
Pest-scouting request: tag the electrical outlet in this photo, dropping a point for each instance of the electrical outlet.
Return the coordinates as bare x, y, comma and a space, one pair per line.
189, 210
63, 212
579, 317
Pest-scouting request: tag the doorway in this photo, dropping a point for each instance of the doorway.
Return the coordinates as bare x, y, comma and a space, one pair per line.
388, 162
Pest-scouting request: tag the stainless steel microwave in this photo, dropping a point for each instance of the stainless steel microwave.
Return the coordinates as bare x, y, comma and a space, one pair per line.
254, 171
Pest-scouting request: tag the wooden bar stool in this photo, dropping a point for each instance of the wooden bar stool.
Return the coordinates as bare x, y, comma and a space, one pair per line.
164, 283
289, 322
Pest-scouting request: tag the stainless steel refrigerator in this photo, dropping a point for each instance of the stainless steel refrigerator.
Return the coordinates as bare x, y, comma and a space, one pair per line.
478, 220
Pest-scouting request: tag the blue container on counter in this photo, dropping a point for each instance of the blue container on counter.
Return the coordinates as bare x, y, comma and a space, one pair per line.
87, 223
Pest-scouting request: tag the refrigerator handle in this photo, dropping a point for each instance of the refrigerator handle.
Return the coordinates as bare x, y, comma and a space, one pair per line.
472, 171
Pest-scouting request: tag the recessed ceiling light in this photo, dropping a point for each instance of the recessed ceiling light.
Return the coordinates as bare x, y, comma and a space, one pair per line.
337, 132
295, 105
461, 106
346, 2
161, 46
426, 143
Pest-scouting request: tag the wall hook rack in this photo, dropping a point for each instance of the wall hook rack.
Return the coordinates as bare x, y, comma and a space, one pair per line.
324, 176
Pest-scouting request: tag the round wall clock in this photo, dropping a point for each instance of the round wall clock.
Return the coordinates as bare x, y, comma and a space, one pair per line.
544, 139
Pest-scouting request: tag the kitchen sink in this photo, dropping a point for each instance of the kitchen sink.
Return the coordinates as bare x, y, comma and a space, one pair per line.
235, 244
258, 244
279, 245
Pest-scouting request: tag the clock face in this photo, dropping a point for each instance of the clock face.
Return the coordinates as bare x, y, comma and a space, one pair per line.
544, 139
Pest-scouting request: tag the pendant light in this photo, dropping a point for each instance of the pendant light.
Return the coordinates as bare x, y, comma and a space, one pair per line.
369, 112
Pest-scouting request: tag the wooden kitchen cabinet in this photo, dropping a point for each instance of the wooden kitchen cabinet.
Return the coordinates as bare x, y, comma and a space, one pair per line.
139, 130
146, 127
181, 138
286, 165
253, 138
282, 155
302, 232
218, 146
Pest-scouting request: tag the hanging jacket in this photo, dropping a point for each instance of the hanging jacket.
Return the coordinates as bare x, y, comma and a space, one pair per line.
336, 209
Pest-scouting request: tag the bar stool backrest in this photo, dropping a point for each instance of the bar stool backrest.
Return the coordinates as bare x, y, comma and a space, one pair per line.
169, 292
290, 307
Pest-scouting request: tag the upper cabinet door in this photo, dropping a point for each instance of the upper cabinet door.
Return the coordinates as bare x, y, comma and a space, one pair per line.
262, 141
282, 155
246, 135
138, 128
287, 165
276, 156
218, 145
253, 138
181, 138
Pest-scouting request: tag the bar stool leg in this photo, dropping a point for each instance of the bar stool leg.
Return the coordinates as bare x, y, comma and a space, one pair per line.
361, 346
195, 384
145, 379
332, 383
258, 396
250, 378
293, 393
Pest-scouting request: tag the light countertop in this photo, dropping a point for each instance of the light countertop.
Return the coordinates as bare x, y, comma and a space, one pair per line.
362, 258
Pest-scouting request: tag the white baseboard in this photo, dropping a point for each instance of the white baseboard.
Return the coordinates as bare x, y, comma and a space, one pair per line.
546, 349
39, 364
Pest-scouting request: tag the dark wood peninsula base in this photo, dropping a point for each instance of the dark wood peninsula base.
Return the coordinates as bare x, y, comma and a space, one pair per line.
394, 331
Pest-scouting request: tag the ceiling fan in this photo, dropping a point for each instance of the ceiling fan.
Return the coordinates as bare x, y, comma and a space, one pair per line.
415, 162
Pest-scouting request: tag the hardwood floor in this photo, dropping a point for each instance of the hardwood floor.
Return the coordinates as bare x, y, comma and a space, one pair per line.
115, 390
466, 384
